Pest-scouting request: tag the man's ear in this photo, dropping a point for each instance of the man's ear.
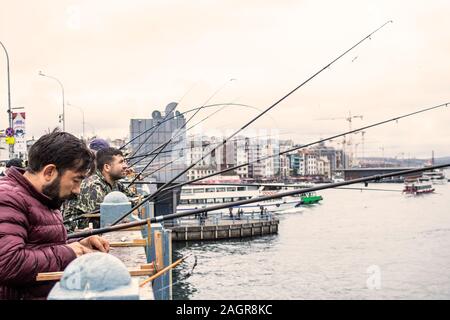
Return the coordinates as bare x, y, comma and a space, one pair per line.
106, 167
50, 172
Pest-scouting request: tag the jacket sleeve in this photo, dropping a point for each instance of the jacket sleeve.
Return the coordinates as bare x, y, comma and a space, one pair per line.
20, 265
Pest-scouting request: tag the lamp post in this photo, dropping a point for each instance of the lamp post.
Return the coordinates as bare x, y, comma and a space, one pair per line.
11, 146
63, 105
82, 113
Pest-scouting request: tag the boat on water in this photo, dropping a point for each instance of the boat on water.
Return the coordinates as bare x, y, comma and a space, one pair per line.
204, 195
310, 198
436, 176
416, 186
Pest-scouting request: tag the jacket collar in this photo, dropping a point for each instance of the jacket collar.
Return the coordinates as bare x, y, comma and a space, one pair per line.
16, 174
103, 180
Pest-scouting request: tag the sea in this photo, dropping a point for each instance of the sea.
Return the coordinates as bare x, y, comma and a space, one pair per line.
355, 244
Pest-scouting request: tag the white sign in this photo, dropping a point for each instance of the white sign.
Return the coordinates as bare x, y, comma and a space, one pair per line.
20, 145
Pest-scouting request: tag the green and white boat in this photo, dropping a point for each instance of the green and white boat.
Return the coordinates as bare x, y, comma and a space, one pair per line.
310, 198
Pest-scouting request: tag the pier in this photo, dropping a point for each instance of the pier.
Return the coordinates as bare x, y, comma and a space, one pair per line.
216, 228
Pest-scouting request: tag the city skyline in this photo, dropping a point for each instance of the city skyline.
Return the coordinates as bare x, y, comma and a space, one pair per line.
120, 61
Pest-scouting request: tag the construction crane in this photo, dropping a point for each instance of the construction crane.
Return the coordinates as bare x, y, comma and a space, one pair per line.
362, 142
347, 142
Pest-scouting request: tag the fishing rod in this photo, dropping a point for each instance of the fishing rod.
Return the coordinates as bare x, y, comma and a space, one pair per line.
214, 143
162, 271
187, 148
177, 134
177, 159
149, 163
261, 114
162, 218
273, 105
96, 215
276, 103
204, 119
165, 144
158, 149
282, 185
148, 197
195, 113
308, 145
159, 123
154, 130
166, 151
168, 119
269, 185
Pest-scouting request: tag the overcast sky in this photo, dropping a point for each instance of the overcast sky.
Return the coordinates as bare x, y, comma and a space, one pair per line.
123, 59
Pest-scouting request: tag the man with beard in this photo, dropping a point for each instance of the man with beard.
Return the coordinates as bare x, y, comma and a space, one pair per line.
111, 167
33, 238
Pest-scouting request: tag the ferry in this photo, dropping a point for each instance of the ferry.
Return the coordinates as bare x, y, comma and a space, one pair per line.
204, 195
436, 176
418, 186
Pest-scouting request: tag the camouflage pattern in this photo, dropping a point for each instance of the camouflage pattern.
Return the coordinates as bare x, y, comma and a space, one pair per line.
93, 191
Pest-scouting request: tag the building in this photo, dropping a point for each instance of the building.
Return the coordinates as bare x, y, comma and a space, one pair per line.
241, 156
198, 147
263, 158
284, 159
149, 135
161, 141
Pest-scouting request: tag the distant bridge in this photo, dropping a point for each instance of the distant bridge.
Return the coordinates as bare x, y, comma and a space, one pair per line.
356, 173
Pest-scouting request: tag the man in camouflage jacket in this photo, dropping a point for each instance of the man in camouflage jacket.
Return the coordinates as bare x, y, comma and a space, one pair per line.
111, 167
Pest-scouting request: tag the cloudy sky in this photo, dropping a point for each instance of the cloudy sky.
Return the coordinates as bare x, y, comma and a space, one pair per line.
123, 59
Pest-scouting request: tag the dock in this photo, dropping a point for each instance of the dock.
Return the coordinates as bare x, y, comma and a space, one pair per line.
217, 228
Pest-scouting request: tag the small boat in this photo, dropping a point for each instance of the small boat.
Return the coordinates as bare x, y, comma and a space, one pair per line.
436, 176
309, 198
418, 186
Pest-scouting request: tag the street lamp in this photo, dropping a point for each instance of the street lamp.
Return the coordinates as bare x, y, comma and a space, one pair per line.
11, 146
62, 89
82, 112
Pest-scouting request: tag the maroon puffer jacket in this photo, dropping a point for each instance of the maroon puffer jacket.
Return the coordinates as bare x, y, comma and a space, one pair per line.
32, 239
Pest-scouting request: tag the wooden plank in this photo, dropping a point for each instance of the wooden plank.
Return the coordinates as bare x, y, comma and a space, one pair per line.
150, 265
127, 244
91, 215
149, 238
56, 276
159, 250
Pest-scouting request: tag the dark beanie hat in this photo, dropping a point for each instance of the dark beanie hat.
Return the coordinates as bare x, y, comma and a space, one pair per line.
98, 144
16, 162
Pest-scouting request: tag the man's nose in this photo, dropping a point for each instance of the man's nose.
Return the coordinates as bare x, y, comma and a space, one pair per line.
77, 190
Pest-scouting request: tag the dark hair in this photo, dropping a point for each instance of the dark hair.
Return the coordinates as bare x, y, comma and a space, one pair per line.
15, 162
105, 156
62, 149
